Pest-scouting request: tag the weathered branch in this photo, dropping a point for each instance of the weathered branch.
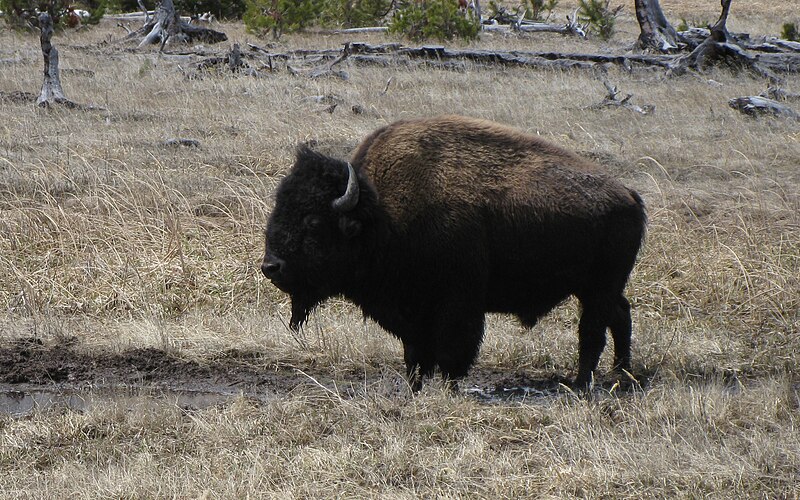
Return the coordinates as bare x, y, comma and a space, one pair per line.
758, 106
612, 100
144, 10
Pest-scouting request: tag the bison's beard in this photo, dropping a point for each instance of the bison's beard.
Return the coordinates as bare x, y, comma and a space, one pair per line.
301, 308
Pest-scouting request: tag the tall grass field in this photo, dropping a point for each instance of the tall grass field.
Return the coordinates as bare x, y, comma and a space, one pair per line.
131, 268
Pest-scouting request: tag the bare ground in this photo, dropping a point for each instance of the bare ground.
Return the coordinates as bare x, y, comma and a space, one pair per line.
27, 365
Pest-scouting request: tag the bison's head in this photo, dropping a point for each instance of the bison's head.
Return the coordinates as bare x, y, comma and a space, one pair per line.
323, 223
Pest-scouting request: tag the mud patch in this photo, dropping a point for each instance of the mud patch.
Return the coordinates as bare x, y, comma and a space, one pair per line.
19, 401
492, 386
67, 375
28, 361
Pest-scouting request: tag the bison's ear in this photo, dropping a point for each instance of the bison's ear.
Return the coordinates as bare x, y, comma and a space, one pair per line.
350, 228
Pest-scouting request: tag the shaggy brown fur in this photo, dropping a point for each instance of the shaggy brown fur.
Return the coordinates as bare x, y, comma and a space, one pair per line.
479, 163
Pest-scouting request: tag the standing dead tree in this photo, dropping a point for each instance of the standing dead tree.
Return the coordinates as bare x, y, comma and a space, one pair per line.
656, 32
51, 92
167, 26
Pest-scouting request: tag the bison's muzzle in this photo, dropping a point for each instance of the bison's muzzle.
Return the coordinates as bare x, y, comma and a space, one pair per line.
273, 268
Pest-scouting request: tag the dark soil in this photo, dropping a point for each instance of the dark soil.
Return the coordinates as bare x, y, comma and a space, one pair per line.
28, 362
28, 366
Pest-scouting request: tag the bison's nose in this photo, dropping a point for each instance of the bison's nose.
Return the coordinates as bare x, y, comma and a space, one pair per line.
272, 267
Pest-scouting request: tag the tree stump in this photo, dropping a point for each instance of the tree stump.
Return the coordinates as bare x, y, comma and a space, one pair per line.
719, 48
167, 26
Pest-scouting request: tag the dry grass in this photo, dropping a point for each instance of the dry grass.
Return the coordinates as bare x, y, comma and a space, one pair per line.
695, 441
107, 236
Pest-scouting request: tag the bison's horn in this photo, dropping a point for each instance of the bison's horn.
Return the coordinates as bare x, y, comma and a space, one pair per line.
349, 199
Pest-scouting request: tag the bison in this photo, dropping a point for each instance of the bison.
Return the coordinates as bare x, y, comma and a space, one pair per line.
435, 222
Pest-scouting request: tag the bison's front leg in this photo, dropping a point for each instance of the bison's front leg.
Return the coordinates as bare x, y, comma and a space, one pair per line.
451, 343
458, 335
420, 363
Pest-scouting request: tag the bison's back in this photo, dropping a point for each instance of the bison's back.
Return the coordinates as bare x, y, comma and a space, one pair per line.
523, 220
469, 166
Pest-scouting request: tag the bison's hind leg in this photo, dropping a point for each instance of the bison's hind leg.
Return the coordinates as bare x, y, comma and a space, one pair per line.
620, 325
591, 340
598, 314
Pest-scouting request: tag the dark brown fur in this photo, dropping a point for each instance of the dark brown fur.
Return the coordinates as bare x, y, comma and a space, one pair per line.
460, 217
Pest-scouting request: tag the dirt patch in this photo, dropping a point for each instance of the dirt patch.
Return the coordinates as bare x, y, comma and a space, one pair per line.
27, 361
65, 373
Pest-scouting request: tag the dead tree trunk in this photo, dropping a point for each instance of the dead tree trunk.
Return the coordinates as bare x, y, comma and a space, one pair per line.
717, 48
144, 9
51, 92
167, 26
656, 32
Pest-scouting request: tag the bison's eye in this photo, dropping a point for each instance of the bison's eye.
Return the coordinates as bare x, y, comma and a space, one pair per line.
312, 221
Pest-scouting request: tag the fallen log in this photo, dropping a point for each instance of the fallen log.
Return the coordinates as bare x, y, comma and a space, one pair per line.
571, 27
388, 54
514, 57
18, 96
759, 106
